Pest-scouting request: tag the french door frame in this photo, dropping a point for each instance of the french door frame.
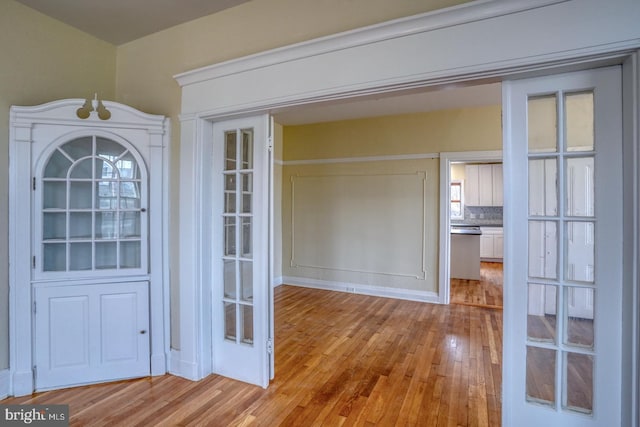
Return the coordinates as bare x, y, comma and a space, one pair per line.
197, 300
608, 233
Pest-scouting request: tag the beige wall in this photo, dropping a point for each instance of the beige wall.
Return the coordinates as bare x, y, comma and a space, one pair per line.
457, 171
354, 207
449, 130
42, 60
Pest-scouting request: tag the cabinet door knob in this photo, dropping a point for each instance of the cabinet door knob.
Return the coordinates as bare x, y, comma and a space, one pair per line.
142, 332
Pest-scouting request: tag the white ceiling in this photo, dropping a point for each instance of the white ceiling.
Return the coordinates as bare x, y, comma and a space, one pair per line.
121, 21
394, 103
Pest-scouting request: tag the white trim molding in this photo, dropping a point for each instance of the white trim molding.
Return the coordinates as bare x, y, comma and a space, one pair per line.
444, 282
358, 288
400, 54
5, 383
416, 271
631, 246
336, 160
426, 22
182, 368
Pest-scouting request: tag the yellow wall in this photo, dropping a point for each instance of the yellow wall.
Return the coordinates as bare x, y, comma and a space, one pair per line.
42, 60
450, 130
469, 129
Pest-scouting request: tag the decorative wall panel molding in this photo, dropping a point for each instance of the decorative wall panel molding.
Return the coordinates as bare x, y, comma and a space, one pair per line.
361, 159
364, 223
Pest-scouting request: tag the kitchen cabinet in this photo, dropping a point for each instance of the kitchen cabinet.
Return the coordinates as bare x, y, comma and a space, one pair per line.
471, 186
497, 185
491, 243
483, 185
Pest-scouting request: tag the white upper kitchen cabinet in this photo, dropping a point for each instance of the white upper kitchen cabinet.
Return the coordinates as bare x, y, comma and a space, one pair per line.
483, 185
471, 185
497, 184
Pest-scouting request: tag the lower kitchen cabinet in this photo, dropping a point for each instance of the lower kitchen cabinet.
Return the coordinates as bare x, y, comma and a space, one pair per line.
491, 244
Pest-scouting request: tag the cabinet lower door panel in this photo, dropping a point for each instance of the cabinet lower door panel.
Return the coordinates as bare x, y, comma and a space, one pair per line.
91, 333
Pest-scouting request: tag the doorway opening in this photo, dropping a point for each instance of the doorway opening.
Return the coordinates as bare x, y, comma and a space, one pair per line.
476, 249
471, 233
323, 170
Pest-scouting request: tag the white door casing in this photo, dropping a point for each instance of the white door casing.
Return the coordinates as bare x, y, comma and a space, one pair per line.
35, 134
444, 258
541, 222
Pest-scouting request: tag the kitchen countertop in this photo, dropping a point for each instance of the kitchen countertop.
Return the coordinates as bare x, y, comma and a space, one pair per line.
477, 223
466, 230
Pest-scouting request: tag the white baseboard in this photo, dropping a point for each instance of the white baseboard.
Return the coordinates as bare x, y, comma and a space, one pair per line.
356, 288
182, 368
158, 364
277, 281
5, 383
22, 383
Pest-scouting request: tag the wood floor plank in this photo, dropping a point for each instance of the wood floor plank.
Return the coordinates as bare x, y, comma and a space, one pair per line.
486, 292
341, 360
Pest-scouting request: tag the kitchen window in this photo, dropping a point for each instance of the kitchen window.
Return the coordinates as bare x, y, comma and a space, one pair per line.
457, 205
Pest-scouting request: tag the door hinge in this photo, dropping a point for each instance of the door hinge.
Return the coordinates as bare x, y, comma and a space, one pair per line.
270, 346
34, 307
33, 261
34, 183
270, 143
35, 373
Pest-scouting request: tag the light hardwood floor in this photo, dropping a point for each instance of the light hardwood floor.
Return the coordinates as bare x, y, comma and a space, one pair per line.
341, 359
486, 292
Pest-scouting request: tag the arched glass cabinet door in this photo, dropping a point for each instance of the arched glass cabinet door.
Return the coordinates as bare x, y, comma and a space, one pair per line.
93, 199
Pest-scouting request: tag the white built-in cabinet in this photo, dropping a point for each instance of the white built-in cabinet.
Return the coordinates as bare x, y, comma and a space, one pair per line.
483, 185
491, 243
88, 242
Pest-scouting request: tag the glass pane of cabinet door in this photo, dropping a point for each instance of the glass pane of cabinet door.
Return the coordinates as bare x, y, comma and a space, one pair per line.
92, 215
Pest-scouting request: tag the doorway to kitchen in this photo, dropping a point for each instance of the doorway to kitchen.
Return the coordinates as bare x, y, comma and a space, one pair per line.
471, 262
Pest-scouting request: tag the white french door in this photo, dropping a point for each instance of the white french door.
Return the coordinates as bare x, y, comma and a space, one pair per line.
240, 249
563, 275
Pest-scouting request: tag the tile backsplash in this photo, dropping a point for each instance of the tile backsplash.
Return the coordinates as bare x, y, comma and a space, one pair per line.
483, 212
481, 215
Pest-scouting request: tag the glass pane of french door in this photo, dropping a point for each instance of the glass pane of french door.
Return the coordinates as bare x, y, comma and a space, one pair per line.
240, 249
563, 147
237, 218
